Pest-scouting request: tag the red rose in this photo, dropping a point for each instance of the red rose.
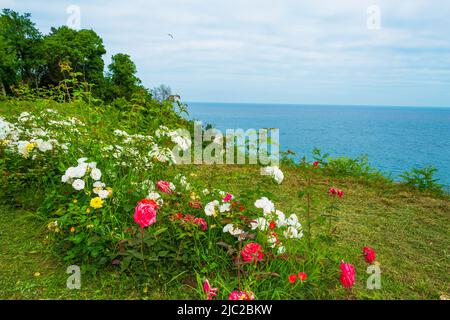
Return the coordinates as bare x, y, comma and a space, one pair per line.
177, 216
369, 254
272, 225
145, 213
164, 186
189, 218
201, 222
302, 276
348, 274
195, 204
252, 252
292, 278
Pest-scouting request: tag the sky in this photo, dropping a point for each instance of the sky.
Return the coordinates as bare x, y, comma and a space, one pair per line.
344, 52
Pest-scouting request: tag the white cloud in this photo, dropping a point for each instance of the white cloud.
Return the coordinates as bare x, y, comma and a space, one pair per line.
241, 47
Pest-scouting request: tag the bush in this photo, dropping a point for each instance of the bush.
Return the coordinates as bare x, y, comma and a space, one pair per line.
423, 179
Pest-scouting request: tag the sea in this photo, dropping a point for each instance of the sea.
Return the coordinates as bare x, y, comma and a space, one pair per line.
394, 139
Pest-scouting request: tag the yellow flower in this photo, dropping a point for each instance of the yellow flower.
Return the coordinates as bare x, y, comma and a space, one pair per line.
28, 148
75, 200
96, 203
88, 210
37, 274
193, 196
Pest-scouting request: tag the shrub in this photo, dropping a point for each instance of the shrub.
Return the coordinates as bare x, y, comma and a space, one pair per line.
423, 179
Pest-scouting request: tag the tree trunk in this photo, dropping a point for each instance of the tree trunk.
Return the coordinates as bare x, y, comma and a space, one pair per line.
2, 86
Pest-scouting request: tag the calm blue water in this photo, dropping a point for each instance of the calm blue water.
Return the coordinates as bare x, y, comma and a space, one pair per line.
394, 138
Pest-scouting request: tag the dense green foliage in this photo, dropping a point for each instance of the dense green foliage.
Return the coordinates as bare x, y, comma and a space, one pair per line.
30, 60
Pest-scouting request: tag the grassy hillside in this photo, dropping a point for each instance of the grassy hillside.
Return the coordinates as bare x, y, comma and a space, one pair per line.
407, 228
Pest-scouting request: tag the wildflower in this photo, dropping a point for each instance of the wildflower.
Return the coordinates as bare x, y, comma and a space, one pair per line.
210, 291
347, 275
88, 210
241, 295
72, 229
201, 222
369, 254
292, 278
259, 223
96, 203
78, 184
155, 197
252, 252
224, 207
302, 276
210, 208
265, 204
96, 174
292, 233
42, 145
228, 197
234, 231
193, 196
281, 218
334, 191
274, 172
272, 225
195, 204
145, 213
272, 239
316, 163
164, 186
53, 226
25, 147
103, 194
281, 250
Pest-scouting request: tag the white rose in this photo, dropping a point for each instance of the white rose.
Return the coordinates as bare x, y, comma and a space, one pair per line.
78, 184
96, 174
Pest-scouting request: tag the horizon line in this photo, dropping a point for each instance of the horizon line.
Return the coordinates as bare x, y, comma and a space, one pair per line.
322, 104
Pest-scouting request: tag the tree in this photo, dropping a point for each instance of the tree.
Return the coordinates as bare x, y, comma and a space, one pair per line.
20, 49
162, 92
122, 76
82, 49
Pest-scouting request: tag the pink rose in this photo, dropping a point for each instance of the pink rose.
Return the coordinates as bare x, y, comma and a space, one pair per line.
369, 254
348, 274
252, 252
228, 197
145, 212
164, 186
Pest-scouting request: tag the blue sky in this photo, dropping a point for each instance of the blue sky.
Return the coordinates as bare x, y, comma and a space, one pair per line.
292, 51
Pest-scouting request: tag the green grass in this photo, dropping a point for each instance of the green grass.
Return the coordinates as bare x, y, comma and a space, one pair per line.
408, 229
